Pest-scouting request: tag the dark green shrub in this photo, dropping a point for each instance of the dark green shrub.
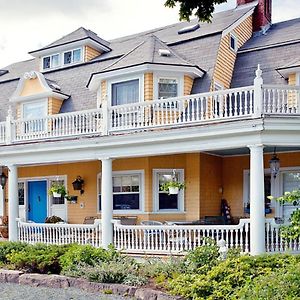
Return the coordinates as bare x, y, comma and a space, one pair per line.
9, 247
282, 284
38, 258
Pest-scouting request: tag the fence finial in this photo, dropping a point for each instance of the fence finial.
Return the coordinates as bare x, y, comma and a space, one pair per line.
258, 71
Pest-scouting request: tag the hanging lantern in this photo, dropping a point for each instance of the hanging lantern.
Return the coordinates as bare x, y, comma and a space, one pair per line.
78, 184
3, 180
274, 164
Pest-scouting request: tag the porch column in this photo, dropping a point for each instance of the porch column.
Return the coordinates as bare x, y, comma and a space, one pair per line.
13, 202
2, 201
106, 202
257, 200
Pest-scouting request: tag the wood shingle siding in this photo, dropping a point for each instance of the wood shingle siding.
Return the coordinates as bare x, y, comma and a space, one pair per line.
148, 86
90, 53
226, 57
188, 84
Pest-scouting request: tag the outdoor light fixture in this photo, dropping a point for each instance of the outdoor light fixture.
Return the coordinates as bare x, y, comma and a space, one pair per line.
274, 164
78, 184
3, 180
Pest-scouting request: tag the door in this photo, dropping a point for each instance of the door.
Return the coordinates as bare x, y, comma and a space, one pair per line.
37, 201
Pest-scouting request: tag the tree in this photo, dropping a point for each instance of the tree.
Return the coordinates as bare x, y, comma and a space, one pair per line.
204, 8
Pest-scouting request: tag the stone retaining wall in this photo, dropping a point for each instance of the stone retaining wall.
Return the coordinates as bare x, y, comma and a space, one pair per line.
59, 281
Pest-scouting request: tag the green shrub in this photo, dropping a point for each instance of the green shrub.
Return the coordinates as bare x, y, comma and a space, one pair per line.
9, 247
283, 284
78, 255
38, 258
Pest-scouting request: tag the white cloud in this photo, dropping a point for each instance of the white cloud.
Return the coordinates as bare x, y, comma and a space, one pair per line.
28, 25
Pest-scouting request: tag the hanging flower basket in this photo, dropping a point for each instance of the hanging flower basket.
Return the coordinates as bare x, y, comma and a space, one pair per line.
57, 190
172, 187
56, 195
173, 190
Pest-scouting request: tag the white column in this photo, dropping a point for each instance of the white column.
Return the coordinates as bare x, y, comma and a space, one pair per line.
13, 202
106, 202
258, 94
2, 201
257, 200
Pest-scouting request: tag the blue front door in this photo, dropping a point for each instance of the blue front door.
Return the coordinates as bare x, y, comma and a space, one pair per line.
37, 201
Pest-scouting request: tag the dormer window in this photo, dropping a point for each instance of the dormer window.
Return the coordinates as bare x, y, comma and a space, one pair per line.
167, 88
51, 61
233, 43
72, 56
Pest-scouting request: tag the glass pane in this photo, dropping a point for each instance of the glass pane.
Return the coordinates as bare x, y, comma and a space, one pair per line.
67, 57
167, 88
34, 110
46, 62
126, 184
291, 182
168, 201
55, 60
135, 183
21, 193
57, 200
126, 201
125, 92
77, 55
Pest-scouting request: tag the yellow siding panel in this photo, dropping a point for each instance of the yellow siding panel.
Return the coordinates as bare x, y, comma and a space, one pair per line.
54, 106
292, 79
188, 84
31, 87
90, 53
148, 86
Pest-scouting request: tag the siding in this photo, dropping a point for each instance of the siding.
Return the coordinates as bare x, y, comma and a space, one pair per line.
292, 79
148, 86
103, 90
54, 106
226, 57
188, 84
90, 53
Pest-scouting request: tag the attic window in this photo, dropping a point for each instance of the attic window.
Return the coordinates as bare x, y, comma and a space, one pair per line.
164, 52
233, 43
73, 56
189, 29
3, 72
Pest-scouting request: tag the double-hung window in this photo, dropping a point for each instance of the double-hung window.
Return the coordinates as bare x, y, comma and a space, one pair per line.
72, 56
125, 92
127, 190
164, 201
51, 61
167, 88
57, 200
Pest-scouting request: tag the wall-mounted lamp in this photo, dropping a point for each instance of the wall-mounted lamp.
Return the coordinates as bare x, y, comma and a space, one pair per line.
274, 164
78, 184
3, 180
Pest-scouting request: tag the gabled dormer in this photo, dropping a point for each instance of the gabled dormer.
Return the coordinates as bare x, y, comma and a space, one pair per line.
81, 45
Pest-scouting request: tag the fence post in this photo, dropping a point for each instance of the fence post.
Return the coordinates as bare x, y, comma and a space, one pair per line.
9, 132
258, 94
105, 116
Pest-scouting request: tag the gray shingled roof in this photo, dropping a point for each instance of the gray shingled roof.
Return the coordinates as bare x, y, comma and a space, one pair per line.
277, 48
77, 35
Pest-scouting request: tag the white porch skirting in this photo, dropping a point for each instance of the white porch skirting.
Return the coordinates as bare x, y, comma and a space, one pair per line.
156, 239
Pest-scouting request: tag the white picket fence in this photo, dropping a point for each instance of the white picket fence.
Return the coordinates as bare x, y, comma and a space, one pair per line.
60, 234
172, 239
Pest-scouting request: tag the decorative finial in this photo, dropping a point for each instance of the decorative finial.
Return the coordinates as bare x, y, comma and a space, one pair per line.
258, 72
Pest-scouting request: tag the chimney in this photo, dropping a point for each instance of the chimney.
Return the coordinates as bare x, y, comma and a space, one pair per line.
262, 17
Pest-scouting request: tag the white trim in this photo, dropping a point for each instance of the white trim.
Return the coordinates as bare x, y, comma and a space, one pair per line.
140, 78
51, 67
236, 41
179, 77
42, 101
240, 20
155, 191
72, 57
141, 174
219, 85
96, 78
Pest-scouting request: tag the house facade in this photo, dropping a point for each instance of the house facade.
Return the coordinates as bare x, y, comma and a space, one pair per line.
205, 104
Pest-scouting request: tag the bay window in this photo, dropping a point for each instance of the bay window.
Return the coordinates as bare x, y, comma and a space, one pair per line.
167, 88
125, 92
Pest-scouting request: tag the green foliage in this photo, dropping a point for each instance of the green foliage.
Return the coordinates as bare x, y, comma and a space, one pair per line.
86, 255
57, 188
172, 184
9, 247
38, 258
288, 197
204, 8
282, 284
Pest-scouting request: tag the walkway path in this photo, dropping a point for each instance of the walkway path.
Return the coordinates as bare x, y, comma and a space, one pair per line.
9, 291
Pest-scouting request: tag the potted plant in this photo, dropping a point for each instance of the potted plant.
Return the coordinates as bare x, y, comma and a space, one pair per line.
71, 199
57, 190
53, 220
172, 187
4, 226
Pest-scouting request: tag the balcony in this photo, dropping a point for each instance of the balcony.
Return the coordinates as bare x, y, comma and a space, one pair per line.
207, 108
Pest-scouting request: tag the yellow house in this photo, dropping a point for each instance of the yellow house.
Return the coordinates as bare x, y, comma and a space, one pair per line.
113, 121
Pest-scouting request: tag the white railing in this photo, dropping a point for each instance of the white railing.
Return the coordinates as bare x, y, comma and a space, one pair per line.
166, 239
219, 105
275, 243
60, 234
2, 132
59, 125
281, 99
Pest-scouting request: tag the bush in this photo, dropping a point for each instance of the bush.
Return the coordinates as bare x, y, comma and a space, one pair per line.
37, 258
9, 247
278, 285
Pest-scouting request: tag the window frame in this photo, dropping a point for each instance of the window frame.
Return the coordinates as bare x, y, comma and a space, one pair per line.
141, 174
155, 191
168, 75
167, 78
51, 67
72, 57
43, 101
235, 38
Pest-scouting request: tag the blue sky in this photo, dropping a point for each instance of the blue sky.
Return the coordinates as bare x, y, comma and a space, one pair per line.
29, 24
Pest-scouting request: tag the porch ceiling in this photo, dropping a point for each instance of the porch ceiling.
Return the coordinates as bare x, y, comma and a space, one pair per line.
245, 151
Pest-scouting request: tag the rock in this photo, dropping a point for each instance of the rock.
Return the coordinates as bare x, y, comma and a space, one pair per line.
10, 276
52, 281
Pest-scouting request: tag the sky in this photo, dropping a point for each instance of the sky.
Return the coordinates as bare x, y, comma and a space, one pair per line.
27, 25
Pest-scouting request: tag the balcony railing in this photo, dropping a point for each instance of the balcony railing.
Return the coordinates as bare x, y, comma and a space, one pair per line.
219, 106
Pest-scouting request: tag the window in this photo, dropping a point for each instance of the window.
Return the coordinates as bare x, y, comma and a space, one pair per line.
57, 200
233, 43
21, 193
72, 56
167, 88
125, 92
127, 191
164, 201
52, 61
291, 182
